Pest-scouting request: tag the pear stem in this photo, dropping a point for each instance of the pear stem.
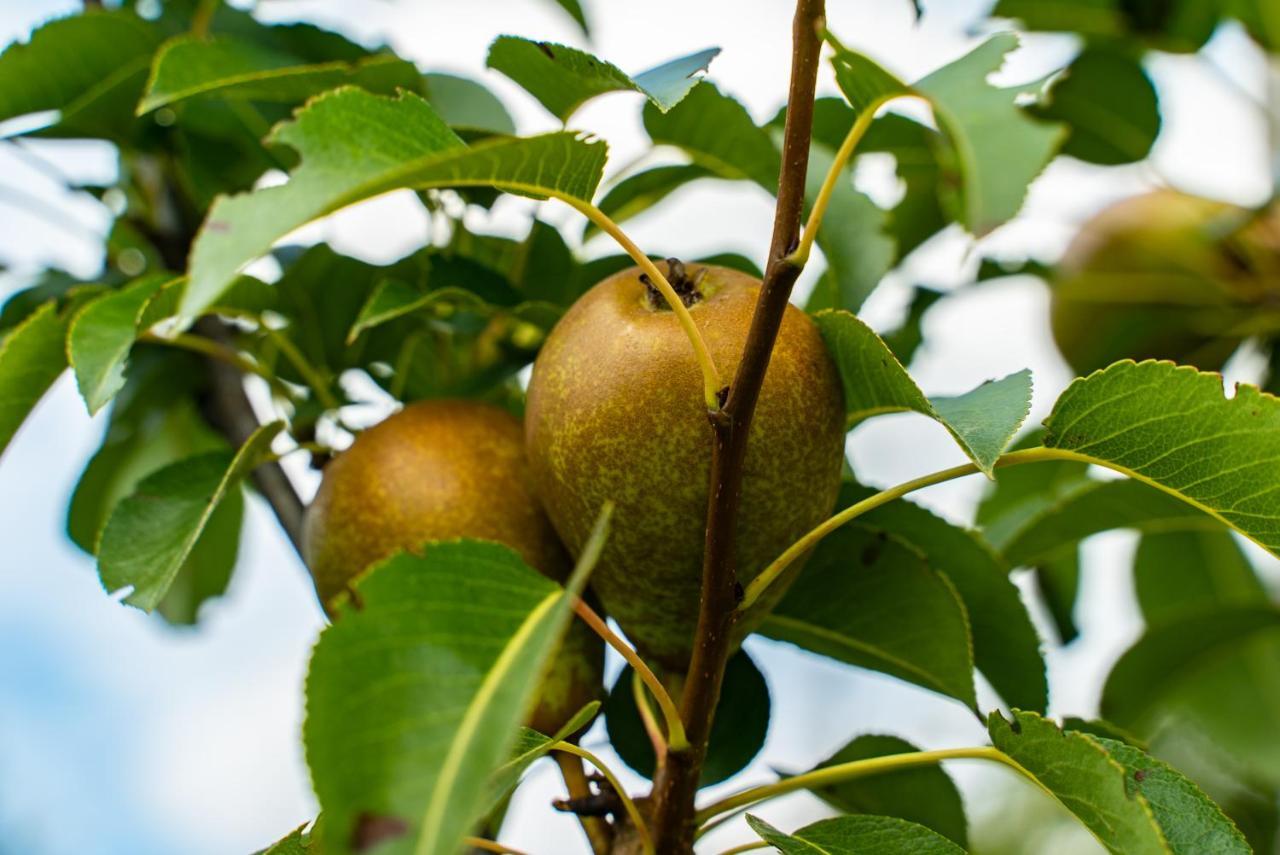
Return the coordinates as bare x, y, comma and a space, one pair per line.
711, 384
676, 740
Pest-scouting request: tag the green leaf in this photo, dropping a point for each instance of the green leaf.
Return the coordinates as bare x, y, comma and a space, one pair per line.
983, 421
856, 835
1078, 771
640, 192
101, 335
906, 339
190, 67
574, 8
1058, 580
467, 105
564, 78
532, 746
1217, 671
207, 570
924, 795
1171, 427
354, 146
297, 842
32, 356
69, 62
1086, 17
414, 698
1006, 648
393, 299
736, 739
1109, 104
1191, 822
995, 148
1097, 506
150, 534
719, 134
868, 599
1185, 571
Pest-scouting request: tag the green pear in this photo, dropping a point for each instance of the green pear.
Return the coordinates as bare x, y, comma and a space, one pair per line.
440, 470
615, 411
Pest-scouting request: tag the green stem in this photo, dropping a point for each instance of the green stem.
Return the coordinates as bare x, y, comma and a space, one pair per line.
642, 831
760, 583
207, 347
857, 769
303, 366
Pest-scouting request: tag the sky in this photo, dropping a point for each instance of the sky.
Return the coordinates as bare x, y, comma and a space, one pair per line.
121, 735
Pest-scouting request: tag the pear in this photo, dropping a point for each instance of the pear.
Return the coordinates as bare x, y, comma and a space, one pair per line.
615, 411
441, 470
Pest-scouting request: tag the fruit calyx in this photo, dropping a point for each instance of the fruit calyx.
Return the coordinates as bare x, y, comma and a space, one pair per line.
686, 286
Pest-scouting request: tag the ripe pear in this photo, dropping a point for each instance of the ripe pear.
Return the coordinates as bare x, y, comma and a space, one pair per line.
615, 411
440, 470
1164, 275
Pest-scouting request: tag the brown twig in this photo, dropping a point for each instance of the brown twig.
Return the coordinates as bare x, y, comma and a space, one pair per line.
676, 781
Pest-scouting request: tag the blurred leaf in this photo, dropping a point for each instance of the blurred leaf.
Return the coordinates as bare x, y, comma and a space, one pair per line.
736, 737
1171, 427
207, 570
408, 719
574, 8
1178, 572
1190, 821
49, 284
1080, 773
719, 134
1215, 670
32, 356
101, 335
532, 746
1098, 506
465, 104
1086, 17
1006, 648
638, 193
1057, 577
1108, 103
982, 421
906, 339
298, 842
1022, 494
924, 795
402, 143
1170, 25
191, 67
564, 78
868, 599
73, 63
150, 534
853, 835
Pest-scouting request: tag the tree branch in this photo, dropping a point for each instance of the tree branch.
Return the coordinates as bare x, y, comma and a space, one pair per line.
676, 781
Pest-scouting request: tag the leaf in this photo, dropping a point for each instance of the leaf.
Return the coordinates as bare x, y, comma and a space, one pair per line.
736, 739
532, 746
413, 699
73, 60
923, 795
150, 534
1171, 427
855, 835
640, 192
719, 134
1178, 572
32, 356
564, 78
866, 598
101, 335
1109, 104
982, 421
906, 339
1097, 506
1217, 671
466, 105
574, 8
1058, 580
1087, 17
1024, 493
190, 67
354, 146
1006, 648
1191, 822
297, 842
1078, 771
995, 148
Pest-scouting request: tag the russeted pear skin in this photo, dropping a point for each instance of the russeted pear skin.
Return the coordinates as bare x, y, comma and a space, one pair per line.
615, 411
442, 470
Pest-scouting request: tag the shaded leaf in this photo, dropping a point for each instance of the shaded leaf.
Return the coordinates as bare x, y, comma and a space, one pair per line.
574, 8
151, 534
407, 718
719, 134
868, 599
924, 795
854, 835
564, 78
736, 738
1171, 427
101, 335
982, 421
190, 67
1079, 772
465, 104
532, 746
401, 143
1185, 571
906, 339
